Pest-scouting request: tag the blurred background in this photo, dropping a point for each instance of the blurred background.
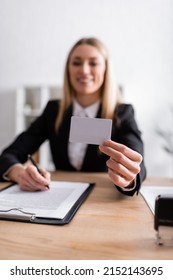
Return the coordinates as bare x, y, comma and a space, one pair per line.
36, 36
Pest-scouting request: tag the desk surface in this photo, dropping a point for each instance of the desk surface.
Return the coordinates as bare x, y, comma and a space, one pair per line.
108, 225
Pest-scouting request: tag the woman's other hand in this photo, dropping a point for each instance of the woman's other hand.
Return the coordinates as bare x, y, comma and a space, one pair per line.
28, 178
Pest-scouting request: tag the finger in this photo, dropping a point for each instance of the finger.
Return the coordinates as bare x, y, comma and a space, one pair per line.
33, 180
134, 166
46, 174
118, 157
36, 176
27, 187
126, 168
28, 184
128, 152
117, 179
31, 188
121, 170
25, 181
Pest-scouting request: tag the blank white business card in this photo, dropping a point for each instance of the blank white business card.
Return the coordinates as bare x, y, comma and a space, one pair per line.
90, 130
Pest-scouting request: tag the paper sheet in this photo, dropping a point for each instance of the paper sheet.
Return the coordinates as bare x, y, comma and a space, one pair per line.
150, 193
54, 203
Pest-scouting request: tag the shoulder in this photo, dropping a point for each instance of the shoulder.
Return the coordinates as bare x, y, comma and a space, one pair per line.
125, 117
52, 106
51, 109
124, 111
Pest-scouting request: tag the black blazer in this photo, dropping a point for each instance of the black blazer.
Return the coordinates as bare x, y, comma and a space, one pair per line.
124, 131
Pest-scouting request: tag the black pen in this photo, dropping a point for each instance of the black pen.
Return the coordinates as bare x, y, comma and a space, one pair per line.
34, 163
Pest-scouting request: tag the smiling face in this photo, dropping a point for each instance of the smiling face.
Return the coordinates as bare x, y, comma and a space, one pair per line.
86, 73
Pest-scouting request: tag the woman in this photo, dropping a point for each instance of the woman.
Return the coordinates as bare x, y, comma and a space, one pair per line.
88, 91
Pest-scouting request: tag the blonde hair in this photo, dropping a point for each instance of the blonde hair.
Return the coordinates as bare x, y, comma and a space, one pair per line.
110, 94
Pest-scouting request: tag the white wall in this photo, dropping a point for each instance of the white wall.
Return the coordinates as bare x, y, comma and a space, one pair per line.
36, 35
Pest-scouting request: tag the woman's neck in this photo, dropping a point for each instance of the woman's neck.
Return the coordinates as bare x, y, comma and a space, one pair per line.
87, 100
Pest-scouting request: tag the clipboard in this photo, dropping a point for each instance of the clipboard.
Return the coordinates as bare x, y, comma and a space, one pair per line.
70, 196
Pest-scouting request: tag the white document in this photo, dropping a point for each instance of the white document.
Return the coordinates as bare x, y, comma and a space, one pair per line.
54, 203
90, 130
150, 193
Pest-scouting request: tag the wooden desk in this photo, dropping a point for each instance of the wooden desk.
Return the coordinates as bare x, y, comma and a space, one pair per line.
107, 226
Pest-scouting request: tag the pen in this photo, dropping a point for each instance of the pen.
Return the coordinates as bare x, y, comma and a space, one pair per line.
34, 163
